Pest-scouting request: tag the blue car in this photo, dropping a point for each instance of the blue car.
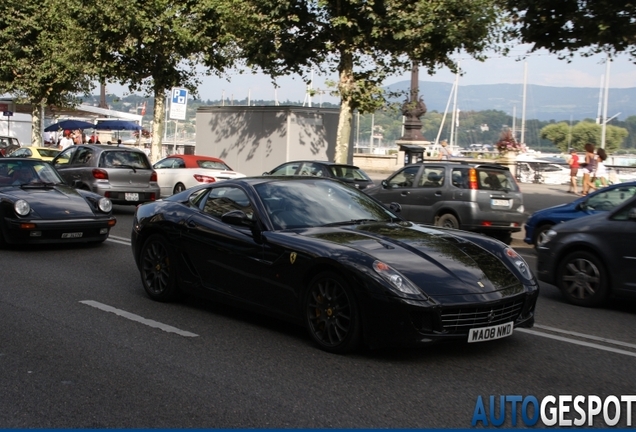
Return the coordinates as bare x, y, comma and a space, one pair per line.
602, 200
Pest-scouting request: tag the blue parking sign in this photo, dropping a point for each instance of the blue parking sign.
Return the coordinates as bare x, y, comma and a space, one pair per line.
178, 104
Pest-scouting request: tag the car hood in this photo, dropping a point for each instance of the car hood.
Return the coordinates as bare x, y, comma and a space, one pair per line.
58, 202
440, 262
583, 224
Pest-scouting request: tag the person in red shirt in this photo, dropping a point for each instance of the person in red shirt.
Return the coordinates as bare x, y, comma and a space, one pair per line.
574, 170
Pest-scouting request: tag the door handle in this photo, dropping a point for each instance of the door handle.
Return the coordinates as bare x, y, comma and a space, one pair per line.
191, 224
438, 193
405, 193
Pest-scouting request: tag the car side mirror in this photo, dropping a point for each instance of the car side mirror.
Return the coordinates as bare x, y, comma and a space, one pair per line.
395, 207
632, 214
237, 217
384, 184
76, 183
265, 173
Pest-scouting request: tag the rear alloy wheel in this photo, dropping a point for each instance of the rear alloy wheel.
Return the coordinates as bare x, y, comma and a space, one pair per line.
447, 221
539, 234
582, 279
179, 187
332, 314
158, 269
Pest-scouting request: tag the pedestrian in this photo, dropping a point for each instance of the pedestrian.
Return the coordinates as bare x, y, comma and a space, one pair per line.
66, 141
601, 169
589, 168
444, 151
574, 170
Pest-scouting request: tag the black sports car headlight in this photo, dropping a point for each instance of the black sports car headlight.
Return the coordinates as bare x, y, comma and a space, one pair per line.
519, 263
22, 207
105, 205
395, 279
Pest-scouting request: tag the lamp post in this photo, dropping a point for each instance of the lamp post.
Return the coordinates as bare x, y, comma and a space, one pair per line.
412, 141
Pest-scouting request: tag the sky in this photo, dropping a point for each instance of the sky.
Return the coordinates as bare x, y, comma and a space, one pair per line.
543, 68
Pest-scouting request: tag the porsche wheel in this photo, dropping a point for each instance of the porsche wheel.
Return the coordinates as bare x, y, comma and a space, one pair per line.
447, 221
582, 279
158, 269
332, 314
179, 187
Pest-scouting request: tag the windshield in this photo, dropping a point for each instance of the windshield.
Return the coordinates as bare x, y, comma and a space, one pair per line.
124, 159
344, 172
316, 202
19, 173
213, 165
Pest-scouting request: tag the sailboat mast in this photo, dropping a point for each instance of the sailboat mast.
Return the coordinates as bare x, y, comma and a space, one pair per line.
523, 108
454, 116
604, 119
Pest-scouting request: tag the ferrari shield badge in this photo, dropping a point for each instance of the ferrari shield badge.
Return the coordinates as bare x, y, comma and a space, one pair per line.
292, 257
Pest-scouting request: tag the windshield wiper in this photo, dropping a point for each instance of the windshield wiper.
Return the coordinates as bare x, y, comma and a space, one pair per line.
127, 166
351, 222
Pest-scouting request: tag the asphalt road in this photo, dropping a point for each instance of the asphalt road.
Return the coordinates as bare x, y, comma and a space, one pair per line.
81, 346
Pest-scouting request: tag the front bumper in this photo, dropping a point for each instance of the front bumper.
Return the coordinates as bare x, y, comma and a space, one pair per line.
20, 231
399, 322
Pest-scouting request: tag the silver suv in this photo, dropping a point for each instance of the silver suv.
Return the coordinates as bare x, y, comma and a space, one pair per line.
474, 197
123, 174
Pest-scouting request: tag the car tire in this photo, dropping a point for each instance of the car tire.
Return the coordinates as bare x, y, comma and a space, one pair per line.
158, 269
331, 314
179, 187
582, 279
539, 233
447, 221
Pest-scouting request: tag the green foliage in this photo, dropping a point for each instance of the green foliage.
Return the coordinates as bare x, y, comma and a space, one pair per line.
563, 136
571, 25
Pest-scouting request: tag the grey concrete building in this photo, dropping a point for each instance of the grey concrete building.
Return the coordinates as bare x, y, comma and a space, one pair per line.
256, 139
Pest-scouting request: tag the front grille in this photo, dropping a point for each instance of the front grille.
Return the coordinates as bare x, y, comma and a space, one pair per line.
461, 319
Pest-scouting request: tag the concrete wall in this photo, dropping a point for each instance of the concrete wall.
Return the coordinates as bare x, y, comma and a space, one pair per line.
256, 139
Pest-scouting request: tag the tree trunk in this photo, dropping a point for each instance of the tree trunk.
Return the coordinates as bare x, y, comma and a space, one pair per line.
345, 86
36, 125
158, 125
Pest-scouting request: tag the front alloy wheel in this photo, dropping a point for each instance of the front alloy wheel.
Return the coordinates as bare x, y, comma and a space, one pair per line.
582, 279
332, 314
158, 269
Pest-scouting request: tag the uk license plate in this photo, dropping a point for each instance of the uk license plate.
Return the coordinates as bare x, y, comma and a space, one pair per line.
132, 196
500, 202
72, 235
484, 334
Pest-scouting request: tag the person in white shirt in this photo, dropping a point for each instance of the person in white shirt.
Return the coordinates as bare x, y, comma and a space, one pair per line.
65, 142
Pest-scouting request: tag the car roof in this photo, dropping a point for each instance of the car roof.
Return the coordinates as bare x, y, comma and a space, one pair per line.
194, 157
462, 163
322, 162
105, 147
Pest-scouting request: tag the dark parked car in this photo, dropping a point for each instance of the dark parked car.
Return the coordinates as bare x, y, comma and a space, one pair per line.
327, 256
8, 145
37, 207
601, 200
592, 257
123, 174
474, 197
345, 173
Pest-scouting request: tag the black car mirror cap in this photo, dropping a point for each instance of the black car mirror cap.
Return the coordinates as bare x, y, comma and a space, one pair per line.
384, 184
237, 217
395, 207
632, 214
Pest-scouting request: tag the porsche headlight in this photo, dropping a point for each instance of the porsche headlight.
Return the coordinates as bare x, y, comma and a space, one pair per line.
394, 278
105, 205
22, 207
519, 263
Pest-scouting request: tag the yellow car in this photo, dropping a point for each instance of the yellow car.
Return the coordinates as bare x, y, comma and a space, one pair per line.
44, 153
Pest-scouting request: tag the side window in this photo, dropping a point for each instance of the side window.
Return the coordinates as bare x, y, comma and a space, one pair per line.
82, 156
221, 200
627, 213
404, 178
64, 158
432, 177
166, 163
606, 201
286, 170
459, 178
311, 169
179, 163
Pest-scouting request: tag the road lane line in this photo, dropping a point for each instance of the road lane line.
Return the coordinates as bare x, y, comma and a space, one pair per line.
137, 318
577, 342
118, 241
120, 238
586, 336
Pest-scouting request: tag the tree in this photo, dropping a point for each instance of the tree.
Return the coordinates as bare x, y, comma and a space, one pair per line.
563, 136
42, 60
572, 25
364, 41
155, 45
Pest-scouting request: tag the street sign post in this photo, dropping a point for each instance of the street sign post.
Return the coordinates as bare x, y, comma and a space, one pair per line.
178, 103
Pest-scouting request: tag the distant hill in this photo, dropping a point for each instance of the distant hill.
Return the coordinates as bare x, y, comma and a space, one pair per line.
542, 102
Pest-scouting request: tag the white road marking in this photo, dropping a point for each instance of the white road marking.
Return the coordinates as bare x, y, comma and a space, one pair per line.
577, 342
586, 336
137, 318
120, 240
